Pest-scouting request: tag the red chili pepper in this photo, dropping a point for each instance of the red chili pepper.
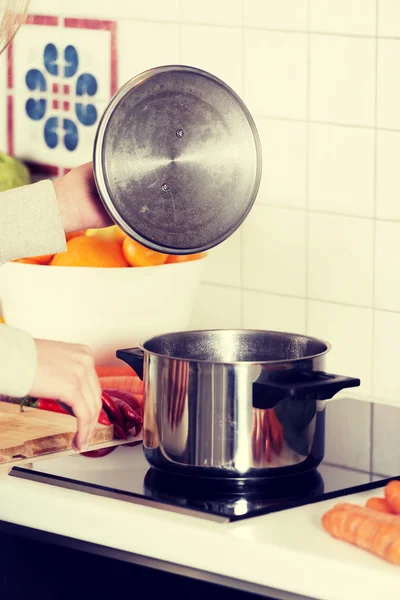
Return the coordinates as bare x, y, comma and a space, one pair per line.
112, 411
119, 432
48, 404
127, 397
100, 452
127, 412
103, 419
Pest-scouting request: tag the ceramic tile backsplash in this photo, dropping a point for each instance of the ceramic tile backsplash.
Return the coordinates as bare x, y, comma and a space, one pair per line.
284, 14
389, 18
149, 44
341, 169
386, 356
340, 259
274, 251
387, 273
220, 12
356, 17
348, 428
269, 311
275, 73
284, 147
386, 452
215, 49
387, 175
342, 79
349, 330
217, 307
319, 252
388, 88
151, 10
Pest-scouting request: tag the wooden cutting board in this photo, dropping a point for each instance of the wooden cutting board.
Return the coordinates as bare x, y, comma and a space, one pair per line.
35, 432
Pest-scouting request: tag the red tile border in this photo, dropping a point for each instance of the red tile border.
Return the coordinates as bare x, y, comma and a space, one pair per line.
55, 104
99, 24
55, 88
66, 106
66, 90
10, 67
10, 125
41, 20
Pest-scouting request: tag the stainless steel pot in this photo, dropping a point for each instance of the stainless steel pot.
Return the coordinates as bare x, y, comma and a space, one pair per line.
234, 403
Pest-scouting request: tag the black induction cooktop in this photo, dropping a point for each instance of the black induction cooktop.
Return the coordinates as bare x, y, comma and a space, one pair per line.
125, 475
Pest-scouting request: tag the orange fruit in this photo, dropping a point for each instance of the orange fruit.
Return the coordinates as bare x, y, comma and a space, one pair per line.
72, 234
108, 233
85, 251
173, 258
35, 260
138, 255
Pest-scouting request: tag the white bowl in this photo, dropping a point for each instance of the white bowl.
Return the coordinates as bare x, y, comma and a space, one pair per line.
104, 308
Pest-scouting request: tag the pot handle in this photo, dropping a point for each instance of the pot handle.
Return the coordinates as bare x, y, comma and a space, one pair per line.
314, 385
134, 357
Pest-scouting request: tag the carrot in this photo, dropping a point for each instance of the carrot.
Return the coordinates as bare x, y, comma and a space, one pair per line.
368, 529
379, 504
392, 495
114, 371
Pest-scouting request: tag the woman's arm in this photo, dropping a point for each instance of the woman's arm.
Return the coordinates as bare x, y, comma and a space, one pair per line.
33, 218
30, 222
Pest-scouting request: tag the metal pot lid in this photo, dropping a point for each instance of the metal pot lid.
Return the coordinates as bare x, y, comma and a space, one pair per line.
177, 160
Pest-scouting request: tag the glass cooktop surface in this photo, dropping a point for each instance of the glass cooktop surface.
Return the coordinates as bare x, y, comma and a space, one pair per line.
125, 474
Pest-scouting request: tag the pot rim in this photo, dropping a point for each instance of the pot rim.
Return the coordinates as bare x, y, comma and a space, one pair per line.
328, 345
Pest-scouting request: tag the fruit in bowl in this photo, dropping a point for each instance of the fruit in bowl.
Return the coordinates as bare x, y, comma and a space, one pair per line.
111, 293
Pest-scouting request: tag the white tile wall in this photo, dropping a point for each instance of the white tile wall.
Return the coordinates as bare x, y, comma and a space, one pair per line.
220, 12
349, 330
341, 170
225, 262
151, 10
217, 307
284, 147
387, 272
270, 14
273, 312
356, 17
386, 356
387, 175
386, 452
389, 18
348, 427
215, 49
388, 87
311, 255
340, 259
144, 45
275, 73
342, 79
274, 251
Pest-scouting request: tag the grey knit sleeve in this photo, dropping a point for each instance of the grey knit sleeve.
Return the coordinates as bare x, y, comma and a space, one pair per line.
30, 222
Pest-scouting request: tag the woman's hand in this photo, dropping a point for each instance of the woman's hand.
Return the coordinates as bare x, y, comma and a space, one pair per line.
79, 202
66, 372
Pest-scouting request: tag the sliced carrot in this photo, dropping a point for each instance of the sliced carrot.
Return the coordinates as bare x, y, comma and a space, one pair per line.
379, 504
368, 529
392, 495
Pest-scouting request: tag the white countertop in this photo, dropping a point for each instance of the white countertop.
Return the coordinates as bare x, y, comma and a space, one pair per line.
287, 550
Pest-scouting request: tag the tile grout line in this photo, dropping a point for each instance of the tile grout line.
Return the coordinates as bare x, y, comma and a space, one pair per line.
307, 178
371, 433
